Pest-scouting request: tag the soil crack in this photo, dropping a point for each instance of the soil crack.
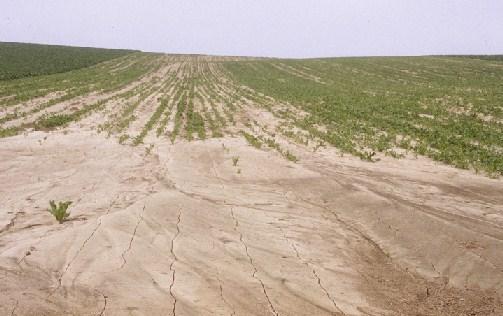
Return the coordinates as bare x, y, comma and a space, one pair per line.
250, 259
140, 219
233, 312
313, 271
175, 259
102, 312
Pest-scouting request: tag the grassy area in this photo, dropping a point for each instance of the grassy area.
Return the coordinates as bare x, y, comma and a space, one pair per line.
18, 60
447, 108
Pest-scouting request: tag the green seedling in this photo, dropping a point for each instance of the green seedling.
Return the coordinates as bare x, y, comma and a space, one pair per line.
123, 138
235, 160
59, 211
290, 156
148, 149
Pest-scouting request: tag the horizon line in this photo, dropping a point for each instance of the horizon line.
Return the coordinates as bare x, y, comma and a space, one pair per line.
263, 57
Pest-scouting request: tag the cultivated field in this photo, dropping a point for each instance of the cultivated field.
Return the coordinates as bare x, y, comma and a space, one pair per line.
206, 185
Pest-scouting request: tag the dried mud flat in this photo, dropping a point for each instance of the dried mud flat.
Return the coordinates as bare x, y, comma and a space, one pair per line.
180, 229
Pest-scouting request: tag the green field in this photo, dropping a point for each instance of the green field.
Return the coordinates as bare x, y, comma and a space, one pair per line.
449, 109
18, 60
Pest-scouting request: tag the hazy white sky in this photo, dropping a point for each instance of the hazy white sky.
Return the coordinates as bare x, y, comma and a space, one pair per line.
284, 28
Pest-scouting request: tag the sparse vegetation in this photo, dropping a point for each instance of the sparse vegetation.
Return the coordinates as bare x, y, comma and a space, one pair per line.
6, 132
235, 161
123, 138
148, 149
52, 121
252, 140
288, 155
152, 121
367, 155
62, 87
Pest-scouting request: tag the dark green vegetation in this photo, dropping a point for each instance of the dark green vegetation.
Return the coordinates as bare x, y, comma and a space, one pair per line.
18, 60
450, 109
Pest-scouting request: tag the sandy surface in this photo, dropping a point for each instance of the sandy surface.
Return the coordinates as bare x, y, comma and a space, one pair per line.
181, 230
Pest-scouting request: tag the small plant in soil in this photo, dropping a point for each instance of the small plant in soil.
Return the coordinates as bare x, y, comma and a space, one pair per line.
148, 149
367, 155
290, 156
123, 138
59, 211
235, 160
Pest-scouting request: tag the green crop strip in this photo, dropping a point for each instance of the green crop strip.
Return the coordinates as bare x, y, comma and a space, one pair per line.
154, 118
195, 122
180, 112
176, 98
252, 140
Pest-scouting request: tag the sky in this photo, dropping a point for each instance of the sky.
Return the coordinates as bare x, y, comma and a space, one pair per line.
273, 28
